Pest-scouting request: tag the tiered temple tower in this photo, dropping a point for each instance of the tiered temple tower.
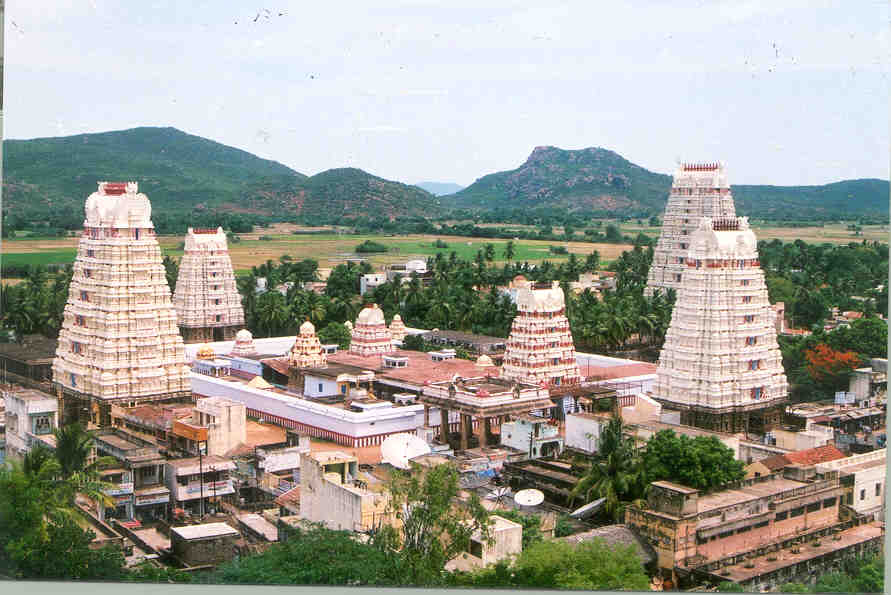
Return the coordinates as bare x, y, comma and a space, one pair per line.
208, 306
540, 348
697, 190
307, 350
119, 341
397, 328
720, 364
244, 344
370, 335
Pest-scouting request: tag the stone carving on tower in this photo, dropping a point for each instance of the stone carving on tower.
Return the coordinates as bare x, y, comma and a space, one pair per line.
540, 348
697, 190
397, 328
119, 340
370, 335
720, 364
307, 350
244, 344
208, 305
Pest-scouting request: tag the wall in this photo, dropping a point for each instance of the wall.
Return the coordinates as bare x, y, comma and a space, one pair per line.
198, 552
644, 409
749, 452
339, 507
800, 440
582, 432
508, 542
311, 386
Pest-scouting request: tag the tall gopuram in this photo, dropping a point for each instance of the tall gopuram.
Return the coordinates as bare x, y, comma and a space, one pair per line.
697, 190
119, 341
540, 348
370, 335
208, 306
307, 351
720, 364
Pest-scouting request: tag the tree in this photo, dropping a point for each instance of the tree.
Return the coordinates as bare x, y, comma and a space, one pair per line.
531, 525
703, 463
335, 332
434, 528
728, 587
590, 565
509, 251
171, 271
830, 369
794, 588
73, 445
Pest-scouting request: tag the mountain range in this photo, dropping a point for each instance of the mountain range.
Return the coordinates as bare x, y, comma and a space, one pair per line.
440, 188
51, 178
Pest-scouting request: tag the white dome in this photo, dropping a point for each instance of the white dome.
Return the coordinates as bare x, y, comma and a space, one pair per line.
484, 360
397, 317
371, 315
243, 336
307, 328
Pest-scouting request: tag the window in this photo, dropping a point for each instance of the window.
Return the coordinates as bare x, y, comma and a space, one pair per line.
84, 296
749, 318
343, 389
683, 246
878, 489
88, 273
136, 233
79, 320
813, 507
43, 424
782, 516
757, 392
751, 340
677, 277
761, 524
320, 387
796, 512
680, 260
744, 529
754, 364
217, 302
219, 317
747, 299
744, 282
75, 347
863, 494
90, 253
829, 502
73, 379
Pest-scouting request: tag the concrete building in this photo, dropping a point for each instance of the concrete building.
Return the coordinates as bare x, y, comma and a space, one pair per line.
119, 340
720, 365
370, 281
534, 435
208, 306
139, 490
198, 484
370, 335
29, 362
697, 191
507, 542
332, 493
540, 349
219, 423
207, 544
478, 343
777, 463
31, 417
863, 479
871, 383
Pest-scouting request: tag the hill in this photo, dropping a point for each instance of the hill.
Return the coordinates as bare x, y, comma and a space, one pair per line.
440, 188
48, 179
601, 180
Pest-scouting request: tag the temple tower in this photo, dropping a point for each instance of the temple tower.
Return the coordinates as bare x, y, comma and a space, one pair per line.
370, 335
540, 348
307, 350
244, 344
119, 341
697, 190
397, 328
208, 306
720, 364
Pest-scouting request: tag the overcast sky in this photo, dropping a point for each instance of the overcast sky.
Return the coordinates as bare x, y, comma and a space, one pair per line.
785, 92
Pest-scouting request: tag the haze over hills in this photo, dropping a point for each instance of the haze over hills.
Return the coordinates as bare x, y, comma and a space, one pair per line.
601, 180
440, 188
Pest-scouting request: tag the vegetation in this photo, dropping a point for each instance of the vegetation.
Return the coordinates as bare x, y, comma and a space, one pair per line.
531, 525
703, 462
369, 246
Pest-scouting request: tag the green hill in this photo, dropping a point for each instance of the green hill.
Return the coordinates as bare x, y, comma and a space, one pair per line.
601, 180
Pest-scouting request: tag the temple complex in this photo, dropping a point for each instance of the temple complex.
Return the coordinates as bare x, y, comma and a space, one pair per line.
307, 351
244, 344
119, 340
697, 190
540, 348
370, 335
208, 306
397, 328
720, 364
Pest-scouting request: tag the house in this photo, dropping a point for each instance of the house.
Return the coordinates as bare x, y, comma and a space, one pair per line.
536, 436
207, 544
507, 542
779, 462
197, 484
31, 417
863, 478
138, 478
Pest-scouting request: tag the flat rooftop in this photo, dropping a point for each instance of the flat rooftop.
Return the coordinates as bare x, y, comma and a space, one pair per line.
205, 531
755, 491
29, 394
33, 348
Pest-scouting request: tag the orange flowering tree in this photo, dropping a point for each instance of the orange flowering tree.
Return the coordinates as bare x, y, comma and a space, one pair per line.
830, 369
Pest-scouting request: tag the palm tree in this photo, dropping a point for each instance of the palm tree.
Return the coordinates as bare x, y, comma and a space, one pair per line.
509, 251
616, 473
73, 447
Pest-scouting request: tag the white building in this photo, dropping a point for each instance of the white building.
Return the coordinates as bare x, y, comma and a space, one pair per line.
207, 477
864, 474
533, 435
371, 281
31, 417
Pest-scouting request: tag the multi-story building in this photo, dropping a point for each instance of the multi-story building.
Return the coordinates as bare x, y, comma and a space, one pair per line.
863, 479
119, 341
720, 365
220, 424
697, 191
31, 417
198, 484
533, 435
208, 306
540, 348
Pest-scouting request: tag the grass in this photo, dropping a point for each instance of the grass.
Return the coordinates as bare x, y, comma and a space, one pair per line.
36, 258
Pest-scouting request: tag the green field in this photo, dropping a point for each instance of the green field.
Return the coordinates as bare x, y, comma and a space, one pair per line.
55, 257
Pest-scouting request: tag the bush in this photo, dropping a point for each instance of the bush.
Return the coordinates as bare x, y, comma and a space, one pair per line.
266, 238
369, 246
440, 244
558, 250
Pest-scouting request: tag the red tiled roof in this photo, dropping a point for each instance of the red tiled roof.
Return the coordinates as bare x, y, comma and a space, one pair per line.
289, 497
811, 456
419, 369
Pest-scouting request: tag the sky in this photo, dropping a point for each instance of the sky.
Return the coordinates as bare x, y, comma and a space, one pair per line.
784, 92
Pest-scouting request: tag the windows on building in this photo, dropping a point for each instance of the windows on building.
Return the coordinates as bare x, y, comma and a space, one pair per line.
754, 364
782, 516
757, 392
75, 347
878, 489
749, 318
219, 317
84, 296
813, 506
320, 387
73, 379
677, 277
751, 340
862, 495
796, 512
747, 299
744, 282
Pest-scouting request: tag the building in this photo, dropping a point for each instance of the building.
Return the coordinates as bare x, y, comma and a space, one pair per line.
477, 343
244, 344
370, 335
720, 365
307, 351
506, 542
140, 491
221, 424
31, 418
534, 435
868, 384
29, 362
203, 545
151, 422
406, 269
698, 533
208, 306
812, 456
863, 479
198, 484
697, 191
119, 341
371, 281
331, 492
540, 348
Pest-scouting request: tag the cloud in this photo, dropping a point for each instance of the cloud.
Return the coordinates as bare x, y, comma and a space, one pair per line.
382, 128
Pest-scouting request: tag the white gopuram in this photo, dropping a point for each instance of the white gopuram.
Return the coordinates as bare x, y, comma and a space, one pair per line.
370, 335
697, 190
720, 364
119, 340
208, 306
540, 348
307, 351
244, 344
397, 328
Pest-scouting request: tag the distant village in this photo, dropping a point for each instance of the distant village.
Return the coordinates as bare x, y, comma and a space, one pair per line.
224, 443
